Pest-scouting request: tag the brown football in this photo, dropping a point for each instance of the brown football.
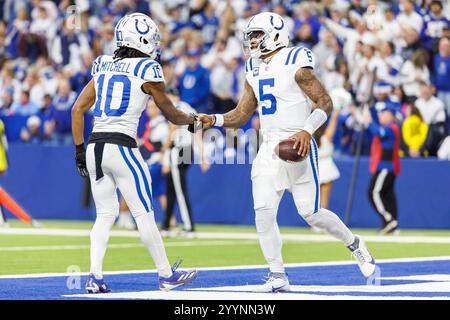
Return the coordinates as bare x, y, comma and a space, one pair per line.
285, 152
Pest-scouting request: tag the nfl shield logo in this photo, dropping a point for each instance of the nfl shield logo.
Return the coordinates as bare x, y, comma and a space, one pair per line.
256, 71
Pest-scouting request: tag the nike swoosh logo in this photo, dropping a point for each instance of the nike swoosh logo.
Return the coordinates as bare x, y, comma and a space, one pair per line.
276, 289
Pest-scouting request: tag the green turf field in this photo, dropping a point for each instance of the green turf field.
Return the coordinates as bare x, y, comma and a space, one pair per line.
25, 253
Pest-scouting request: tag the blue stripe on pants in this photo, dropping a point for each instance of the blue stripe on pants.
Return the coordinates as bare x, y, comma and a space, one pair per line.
136, 179
147, 186
316, 180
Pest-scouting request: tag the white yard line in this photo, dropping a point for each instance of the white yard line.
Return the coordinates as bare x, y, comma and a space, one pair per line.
193, 295
126, 245
242, 267
231, 235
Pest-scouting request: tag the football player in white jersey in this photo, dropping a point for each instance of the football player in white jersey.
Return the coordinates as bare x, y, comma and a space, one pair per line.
118, 93
280, 83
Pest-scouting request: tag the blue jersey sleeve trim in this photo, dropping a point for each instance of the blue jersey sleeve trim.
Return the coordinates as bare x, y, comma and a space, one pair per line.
138, 65
289, 56
146, 67
294, 59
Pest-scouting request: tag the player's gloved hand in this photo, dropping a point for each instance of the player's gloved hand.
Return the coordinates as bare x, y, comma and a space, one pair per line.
80, 160
302, 140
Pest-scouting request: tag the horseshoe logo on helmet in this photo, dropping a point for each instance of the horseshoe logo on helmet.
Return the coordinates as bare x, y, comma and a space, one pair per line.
276, 28
137, 29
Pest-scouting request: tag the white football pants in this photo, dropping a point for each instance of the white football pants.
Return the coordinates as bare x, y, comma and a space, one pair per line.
270, 178
125, 169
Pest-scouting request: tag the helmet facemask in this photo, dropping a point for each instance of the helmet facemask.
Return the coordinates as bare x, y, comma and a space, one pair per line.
275, 34
260, 47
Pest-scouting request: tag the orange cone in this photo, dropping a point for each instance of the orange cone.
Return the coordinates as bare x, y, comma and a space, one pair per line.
10, 204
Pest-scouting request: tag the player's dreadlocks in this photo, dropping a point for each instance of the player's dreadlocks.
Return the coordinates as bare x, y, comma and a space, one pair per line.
125, 52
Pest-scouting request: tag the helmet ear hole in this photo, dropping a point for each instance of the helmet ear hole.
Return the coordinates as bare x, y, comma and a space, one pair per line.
276, 37
142, 39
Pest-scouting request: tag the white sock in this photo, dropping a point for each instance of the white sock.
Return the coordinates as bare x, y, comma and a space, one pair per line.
330, 222
99, 242
151, 238
270, 239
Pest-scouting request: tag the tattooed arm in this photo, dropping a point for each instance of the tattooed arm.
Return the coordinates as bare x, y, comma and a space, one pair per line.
313, 88
246, 107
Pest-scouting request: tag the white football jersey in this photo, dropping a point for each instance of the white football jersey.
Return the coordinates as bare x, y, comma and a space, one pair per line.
282, 105
119, 99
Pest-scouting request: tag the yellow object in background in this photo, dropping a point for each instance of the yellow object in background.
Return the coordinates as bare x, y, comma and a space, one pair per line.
3, 148
414, 132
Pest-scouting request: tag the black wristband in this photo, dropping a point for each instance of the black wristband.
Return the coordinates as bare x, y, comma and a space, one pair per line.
80, 148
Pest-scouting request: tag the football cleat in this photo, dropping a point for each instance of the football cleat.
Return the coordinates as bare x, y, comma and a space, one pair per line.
94, 285
362, 255
275, 282
178, 278
389, 228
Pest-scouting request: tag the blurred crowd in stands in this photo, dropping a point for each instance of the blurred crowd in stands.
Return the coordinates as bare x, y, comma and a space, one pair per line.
368, 53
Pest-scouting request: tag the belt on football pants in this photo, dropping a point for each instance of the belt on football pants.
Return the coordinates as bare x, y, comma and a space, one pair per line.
99, 139
98, 155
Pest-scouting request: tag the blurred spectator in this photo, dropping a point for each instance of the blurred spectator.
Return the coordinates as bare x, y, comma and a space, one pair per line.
206, 21
50, 7
393, 63
382, 92
435, 23
324, 51
408, 17
338, 76
83, 75
390, 27
367, 69
34, 85
303, 37
32, 46
58, 126
177, 17
108, 43
48, 75
414, 71
442, 73
433, 112
414, 132
46, 107
349, 36
68, 47
19, 26
43, 23
304, 15
431, 107
226, 76
6, 101
194, 83
32, 133
410, 44
24, 106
